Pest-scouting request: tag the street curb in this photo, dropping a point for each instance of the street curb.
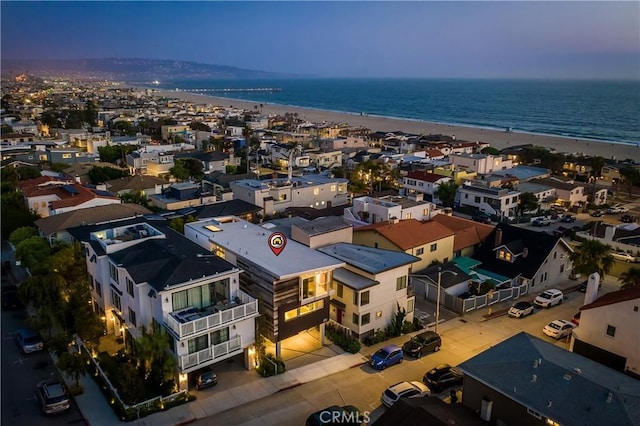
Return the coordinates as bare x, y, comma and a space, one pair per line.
186, 422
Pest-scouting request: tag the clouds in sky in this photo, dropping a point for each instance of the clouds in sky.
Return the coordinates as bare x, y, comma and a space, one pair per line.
341, 39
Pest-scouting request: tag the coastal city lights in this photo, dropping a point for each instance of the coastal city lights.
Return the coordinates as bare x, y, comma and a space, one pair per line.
318, 213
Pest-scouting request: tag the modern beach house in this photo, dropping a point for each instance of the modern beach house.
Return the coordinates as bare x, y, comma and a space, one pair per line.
293, 285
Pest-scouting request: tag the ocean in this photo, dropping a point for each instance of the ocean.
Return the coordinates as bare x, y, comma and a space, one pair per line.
599, 110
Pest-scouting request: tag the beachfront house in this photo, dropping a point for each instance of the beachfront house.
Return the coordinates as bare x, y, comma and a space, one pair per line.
500, 202
569, 193
293, 285
142, 273
370, 288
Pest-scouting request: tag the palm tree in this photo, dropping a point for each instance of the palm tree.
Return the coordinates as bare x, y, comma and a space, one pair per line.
446, 192
630, 278
592, 256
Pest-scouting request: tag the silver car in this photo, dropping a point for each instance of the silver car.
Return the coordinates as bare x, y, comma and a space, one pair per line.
29, 340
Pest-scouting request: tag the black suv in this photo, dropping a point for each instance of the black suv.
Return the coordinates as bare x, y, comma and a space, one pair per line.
482, 218
441, 377
206, 378
422, 344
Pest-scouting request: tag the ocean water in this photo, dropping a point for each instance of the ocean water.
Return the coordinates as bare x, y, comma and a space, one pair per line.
600, 110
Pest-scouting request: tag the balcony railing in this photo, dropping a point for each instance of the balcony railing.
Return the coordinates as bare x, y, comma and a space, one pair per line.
192, 321
211, 353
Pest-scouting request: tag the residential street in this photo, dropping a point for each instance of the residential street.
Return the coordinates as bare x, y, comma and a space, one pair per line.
462, 339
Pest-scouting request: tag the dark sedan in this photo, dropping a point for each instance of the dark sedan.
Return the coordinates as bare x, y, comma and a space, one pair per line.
442, 377
422, 344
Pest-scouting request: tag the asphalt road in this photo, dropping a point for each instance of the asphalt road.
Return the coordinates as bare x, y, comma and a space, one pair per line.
462, 339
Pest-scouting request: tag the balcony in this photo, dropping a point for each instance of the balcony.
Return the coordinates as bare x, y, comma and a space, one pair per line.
191, 321
212, 353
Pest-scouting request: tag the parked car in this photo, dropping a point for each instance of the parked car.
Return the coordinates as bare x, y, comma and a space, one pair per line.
386, 357
334, 415
53, 396
10, 297
597, 213
576, 319
520, 309
558, 329
568, 218
561, 231
206, 378
541, 221
29, 340
549, 298
422, 344
627, 218
404, 390
482, 218
583, 286
625, 257
442, 377
616, 210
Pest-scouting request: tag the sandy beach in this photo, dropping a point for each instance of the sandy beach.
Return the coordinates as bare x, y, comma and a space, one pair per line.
498, 139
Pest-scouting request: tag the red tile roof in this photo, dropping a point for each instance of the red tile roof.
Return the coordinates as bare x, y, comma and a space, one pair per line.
614, 297
46, 185
425, 176
409, 233
467, 232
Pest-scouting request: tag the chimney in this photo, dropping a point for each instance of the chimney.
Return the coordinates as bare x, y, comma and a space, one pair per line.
498, 240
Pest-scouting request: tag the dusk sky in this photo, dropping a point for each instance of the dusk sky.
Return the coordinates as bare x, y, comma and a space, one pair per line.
341, 39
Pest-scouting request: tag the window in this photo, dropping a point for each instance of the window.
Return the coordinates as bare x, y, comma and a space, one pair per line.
534, 413
611, 331
113, 272
201, 296
562, 268
220, 336
410, 305
419, 251
407, 215
316, 191
282, 197
130, 287
340, 291
304, 310
314, 285
433, 247
355, 319
555, 254
115, 298
364, 298
401, 282
91, 281
43, 204
355, 298
198, 344
66, 155
132, 317
333, 188
98, 288
476, 199
366, 319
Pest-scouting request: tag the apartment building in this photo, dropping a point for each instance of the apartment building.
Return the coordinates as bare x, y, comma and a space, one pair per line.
494, 201
144, 274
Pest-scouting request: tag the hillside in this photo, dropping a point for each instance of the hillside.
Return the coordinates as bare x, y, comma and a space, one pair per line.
131, 69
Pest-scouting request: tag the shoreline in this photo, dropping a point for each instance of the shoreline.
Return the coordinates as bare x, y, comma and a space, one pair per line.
496, 138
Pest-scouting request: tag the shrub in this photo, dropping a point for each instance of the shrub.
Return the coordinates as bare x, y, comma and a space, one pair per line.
267, 368
340, 338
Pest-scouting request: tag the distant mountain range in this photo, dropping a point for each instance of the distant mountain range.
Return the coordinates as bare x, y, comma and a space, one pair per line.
131, 69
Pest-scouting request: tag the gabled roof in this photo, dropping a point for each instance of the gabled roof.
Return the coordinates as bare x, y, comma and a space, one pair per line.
409, 233
426, 176
544, 378
468, 233
368, 259
60, 222
614, 297
538, 247
457, 276
135, 183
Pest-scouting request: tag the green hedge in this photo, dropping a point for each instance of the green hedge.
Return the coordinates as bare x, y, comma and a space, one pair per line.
339, 337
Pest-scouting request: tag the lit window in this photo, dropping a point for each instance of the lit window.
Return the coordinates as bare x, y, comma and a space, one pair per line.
66, 155
333, 188
316, 191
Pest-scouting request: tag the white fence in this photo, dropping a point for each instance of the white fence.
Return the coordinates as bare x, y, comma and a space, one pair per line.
461, 306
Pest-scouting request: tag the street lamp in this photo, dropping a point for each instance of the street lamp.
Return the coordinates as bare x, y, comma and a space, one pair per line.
440, 271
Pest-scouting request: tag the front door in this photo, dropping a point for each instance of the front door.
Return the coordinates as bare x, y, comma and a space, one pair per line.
339, 316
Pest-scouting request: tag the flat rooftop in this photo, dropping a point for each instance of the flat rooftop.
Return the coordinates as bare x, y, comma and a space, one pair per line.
369, 259
251, 242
